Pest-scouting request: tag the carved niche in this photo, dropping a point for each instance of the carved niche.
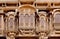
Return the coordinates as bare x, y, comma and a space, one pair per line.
43, 23
26, 19
10, 21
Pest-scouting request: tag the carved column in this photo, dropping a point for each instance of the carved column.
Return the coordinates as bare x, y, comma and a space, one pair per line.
51, 25
10, 36
43, 36
1, 24
43, 25
11, 32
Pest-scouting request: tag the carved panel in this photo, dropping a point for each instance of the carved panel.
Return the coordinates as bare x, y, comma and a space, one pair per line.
57, 21
11, 21
1, 25
43, 25
21, 20
26, 20
11, 24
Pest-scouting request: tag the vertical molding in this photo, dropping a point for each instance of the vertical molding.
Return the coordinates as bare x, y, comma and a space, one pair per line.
43, 29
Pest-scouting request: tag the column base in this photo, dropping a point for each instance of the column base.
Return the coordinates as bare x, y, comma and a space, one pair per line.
10, 37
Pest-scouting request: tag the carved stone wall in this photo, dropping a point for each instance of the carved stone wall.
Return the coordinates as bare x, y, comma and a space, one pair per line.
29, 19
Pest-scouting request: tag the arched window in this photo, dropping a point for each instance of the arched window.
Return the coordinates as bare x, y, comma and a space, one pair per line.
11, 21
43, 22
43, 26
57, 18
11, 24
32, 20
26, 20
21, 20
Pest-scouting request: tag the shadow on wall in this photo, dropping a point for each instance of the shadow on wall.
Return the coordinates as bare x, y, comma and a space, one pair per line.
53, 37
2, 37
26, 38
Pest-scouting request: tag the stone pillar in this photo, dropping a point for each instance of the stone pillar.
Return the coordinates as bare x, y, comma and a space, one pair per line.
10, 35
46, 37
43, 36
43, 25
7, 37
52, 31
1, 24
11, 30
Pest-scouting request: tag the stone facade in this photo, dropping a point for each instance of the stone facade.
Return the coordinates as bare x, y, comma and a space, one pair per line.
29, 19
